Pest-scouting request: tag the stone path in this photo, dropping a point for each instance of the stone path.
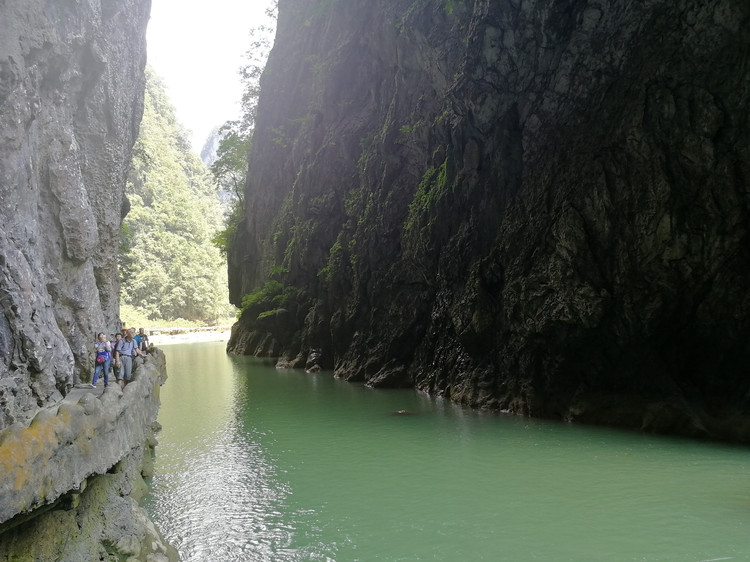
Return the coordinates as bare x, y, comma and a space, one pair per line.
84, 388
81, 389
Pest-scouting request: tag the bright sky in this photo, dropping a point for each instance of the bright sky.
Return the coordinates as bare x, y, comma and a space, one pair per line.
197, 47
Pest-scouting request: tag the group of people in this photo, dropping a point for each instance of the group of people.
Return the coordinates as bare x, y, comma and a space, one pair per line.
118, 355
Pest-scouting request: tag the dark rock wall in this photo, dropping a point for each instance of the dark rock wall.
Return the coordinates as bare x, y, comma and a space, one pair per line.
538, 206
71, 91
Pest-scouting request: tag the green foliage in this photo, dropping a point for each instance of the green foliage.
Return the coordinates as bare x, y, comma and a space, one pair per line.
224, 236
272, 294
335, 260
277, 271
287, 295
256, 56
268, 313
442, 117
135, 318
407, 133
262, 295
433, 187
230, 167
169, 268
229, 172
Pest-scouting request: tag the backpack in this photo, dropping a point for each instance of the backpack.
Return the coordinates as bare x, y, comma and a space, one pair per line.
102, 355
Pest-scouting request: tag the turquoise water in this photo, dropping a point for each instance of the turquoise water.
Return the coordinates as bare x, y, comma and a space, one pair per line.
255, 463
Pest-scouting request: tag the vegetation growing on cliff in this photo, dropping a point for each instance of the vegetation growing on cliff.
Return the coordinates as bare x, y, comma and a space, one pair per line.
168, 266
230, 168
229, 171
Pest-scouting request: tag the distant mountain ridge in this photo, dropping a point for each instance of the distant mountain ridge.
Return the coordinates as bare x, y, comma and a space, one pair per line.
210, 147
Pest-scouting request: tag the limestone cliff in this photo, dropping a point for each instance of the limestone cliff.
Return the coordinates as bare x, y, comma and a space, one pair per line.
537, 206
70, 482
71, 94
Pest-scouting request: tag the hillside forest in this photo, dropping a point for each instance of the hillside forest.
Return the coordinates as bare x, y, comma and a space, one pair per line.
170, 270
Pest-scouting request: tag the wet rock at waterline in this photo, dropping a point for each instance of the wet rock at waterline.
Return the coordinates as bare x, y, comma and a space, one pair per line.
102, 521
74, 475
536, 207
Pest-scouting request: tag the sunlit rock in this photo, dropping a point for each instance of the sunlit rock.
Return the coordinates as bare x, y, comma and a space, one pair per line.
68, 453
70, 103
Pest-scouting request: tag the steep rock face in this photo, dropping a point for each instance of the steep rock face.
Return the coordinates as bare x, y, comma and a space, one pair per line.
71, 91
537, 206
101, 521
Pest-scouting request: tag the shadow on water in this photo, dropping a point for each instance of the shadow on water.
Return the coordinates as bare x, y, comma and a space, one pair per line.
256, 463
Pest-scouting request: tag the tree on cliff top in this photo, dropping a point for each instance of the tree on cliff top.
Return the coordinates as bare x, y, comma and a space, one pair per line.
230, 167
168, 266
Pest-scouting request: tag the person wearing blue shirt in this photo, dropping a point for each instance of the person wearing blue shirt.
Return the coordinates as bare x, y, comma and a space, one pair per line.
126, 349
142, 340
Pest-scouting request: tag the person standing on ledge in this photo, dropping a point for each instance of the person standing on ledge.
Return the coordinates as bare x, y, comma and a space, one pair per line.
124, 353
113, 343
103, 358
143, 340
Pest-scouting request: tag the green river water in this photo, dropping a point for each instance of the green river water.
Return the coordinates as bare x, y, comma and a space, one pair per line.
255, 463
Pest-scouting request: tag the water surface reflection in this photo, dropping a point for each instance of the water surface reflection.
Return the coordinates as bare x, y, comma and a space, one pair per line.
267, 465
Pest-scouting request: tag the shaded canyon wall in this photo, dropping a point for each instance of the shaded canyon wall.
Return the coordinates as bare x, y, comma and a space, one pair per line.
534, 206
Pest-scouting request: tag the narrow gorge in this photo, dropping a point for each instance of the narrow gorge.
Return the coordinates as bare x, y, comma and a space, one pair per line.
536, 206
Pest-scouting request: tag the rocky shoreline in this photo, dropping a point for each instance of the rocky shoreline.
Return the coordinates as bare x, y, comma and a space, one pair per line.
189, 335
541, 209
